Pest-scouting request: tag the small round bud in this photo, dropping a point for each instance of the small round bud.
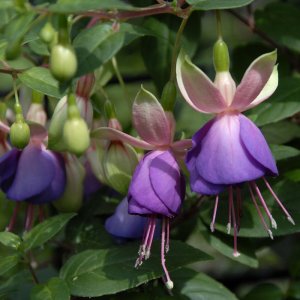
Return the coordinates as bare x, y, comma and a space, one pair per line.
19, 134
63, 62
47, 34
76, 135
168, 97
221, 56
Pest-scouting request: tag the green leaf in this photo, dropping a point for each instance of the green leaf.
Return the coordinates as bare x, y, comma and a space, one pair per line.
280, 21
287, 91
217, 4
10, 239
269, 113
293, 175
198, 286
96, 45
55, 289
281, 132
17, 28
8, 262
224, 245
265, 291
73, 6
284, 152
95, 273
41, 80
46, 230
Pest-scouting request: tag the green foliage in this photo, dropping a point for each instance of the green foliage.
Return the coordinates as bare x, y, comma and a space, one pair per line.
94, 273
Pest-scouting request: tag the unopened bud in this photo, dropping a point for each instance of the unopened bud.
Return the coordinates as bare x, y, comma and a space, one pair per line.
47, 34
168, 97
63, 62
19, 134
221, 56
119, 164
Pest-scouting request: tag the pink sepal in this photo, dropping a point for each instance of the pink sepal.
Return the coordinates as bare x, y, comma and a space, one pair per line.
150, 120
116, 135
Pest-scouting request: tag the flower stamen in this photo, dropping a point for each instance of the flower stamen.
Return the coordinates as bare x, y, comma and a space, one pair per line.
273, 222
13, 219
168, 282
268, 230
235, 229
290, 219
212, 224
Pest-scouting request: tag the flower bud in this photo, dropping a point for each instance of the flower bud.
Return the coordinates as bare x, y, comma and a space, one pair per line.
63, 62
119, 164
60, 116
221, 56
72, 198
19, 134
76, 135
47, 34
168, 97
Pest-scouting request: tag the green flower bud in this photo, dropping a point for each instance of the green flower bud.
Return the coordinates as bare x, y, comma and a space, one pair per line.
19, 134
119, 164
76, 135
63, 62
47, 34
221, 56
72, 198
168, 97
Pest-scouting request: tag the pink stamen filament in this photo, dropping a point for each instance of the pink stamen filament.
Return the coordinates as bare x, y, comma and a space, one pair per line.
229, 214
29, 217
144, 251
268, 230
239, 207
168, 282
150, 239
235, 231
255, 187
167, 248
212, 224
290, 219
13, 219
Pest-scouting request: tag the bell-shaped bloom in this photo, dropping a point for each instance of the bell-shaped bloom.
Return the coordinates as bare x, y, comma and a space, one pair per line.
35, 175
230, 150
157, 187
123, 225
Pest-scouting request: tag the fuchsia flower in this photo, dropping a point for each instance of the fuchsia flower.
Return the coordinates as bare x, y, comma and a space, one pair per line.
230, 150
157, 187
34, 175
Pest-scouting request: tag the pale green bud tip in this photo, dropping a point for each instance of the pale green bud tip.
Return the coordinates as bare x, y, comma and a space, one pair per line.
110, 111
76, 136
73, 110
168, 97
47, 34
63, 62
221, 56
19, 134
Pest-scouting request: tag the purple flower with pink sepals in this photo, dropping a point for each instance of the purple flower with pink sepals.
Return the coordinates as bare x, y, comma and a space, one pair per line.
230, 150
157, 187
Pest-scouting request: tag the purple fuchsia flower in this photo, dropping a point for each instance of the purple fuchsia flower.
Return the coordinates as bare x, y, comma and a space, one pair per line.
230, 150
157, 188
34, 175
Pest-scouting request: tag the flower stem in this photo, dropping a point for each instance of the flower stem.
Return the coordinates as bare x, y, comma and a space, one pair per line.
177, 45
219, 24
